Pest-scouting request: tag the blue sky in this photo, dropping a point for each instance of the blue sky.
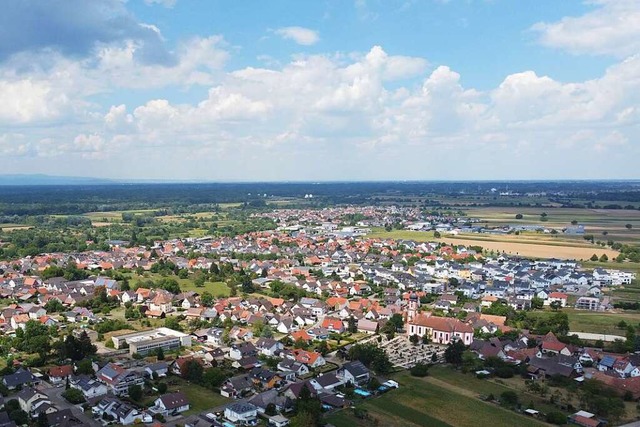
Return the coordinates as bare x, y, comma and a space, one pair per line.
321, 90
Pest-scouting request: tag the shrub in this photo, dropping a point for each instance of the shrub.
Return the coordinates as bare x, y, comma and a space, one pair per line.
509, 398
504, 372
419, 370
557, 418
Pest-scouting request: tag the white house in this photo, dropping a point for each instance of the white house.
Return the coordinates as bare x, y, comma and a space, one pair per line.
243, 413
171, 403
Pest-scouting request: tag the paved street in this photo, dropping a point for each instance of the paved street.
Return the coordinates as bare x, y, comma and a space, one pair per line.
59, 402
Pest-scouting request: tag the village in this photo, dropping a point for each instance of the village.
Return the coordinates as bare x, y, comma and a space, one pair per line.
320, 313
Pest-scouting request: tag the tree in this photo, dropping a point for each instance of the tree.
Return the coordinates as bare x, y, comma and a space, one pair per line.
206, 299
509, 398
162, 388
85, 346
628, 226
453, 353
437, 234
73, 396
537, 303
415, 339
604, 258
470, 361
419, 370
172, 323
192, 371
160, 353
557, 418
308, 408
135, 392
271, 410
555, 305
352, 325
574, 222
371, 356
594, 257
519, 216
85, 367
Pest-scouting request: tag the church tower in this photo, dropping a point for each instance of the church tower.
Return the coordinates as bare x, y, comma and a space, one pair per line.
413, 306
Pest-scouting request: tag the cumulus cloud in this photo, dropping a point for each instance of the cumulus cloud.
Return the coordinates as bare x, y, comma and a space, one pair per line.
613, 28
310, 118
300, 35
75, 27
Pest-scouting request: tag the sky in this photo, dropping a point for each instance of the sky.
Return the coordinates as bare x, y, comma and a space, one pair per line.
323, 90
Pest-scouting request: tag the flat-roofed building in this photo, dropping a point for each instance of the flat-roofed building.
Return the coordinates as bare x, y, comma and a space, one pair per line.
145, 342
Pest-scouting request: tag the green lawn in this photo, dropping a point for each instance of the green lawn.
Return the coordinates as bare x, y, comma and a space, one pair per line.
200, 398
596, 322
219, 289
423, 402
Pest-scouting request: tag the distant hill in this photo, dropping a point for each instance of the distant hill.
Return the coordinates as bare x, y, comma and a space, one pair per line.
40, 179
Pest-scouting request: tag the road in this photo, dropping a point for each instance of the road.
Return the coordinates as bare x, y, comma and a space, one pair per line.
54, 394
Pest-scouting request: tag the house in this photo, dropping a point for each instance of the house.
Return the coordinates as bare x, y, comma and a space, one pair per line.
290, 365
159, 369
63, 417
312, 359
354, 372
237, 386
59, 374
333, 325
122, 412
269, 346
367, 326
118, 379
170, 404
558, 297
327, 381
243, 413
19, 378
588, 303
30, 399
242, 350
89, 387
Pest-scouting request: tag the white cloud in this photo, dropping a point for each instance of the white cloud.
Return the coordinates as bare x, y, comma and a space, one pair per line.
300, 35
613, 28
311, 117
165, 3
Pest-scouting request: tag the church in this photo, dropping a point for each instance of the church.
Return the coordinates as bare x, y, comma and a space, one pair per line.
442, 330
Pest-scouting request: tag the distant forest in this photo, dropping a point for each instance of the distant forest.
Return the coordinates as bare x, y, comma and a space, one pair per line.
78, 199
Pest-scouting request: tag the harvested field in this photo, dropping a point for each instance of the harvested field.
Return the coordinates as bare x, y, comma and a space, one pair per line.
534, 250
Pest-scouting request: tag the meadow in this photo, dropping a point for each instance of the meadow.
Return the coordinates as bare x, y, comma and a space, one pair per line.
445, 398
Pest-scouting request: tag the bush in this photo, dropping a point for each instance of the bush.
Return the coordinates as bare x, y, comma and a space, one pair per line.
557, 418
419, 370
73, 396
509, 398
504, 372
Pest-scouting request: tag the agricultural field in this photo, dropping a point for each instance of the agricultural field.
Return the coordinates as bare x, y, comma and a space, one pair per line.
596, 221
442, 399
531, 249
418, 236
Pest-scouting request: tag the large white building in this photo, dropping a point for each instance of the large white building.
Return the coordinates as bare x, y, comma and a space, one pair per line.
148, 341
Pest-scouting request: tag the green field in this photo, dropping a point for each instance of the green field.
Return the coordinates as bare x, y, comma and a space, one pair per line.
596, 322
448, 398
215, 288
200, 398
